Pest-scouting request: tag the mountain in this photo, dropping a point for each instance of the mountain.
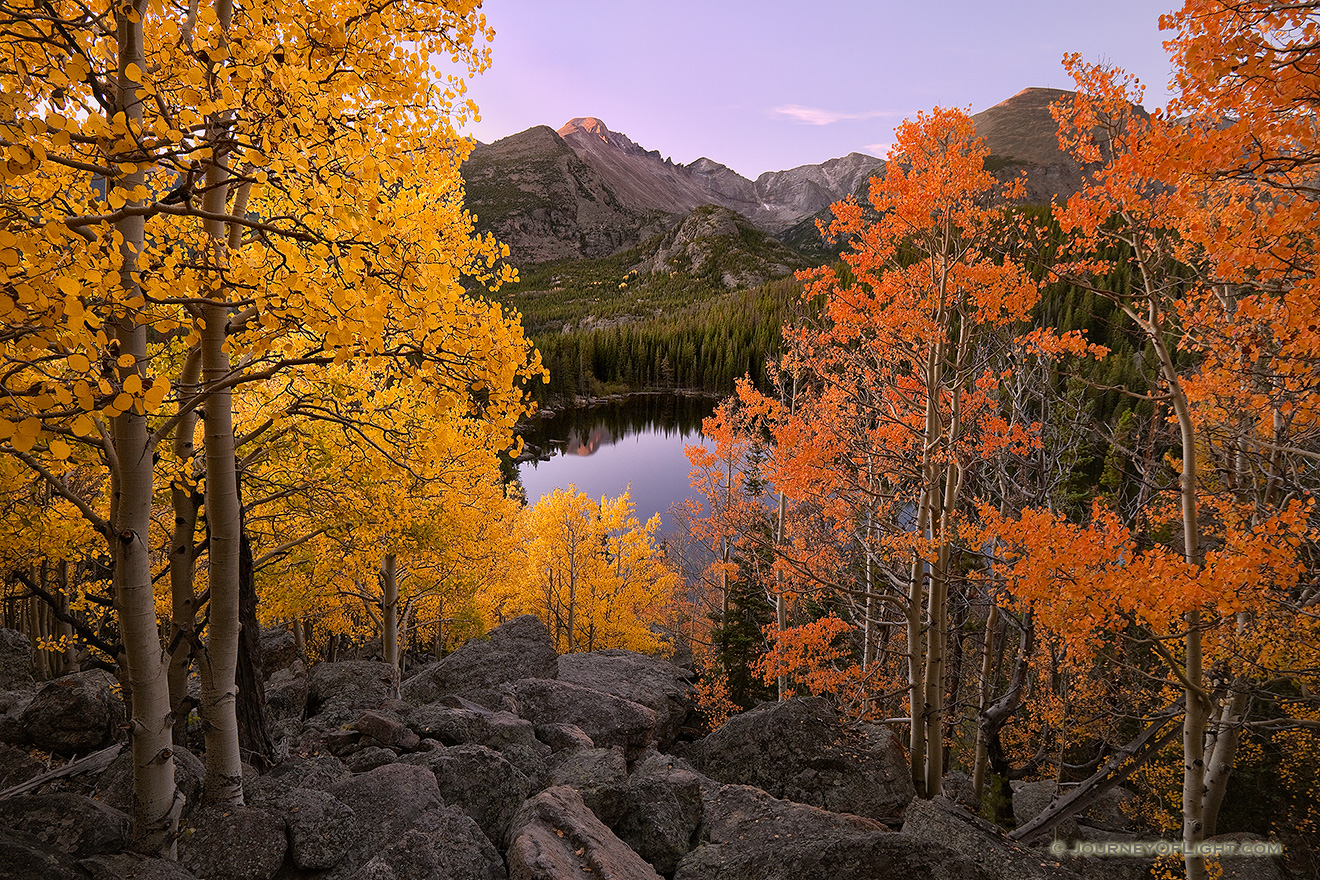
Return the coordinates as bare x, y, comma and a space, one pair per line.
586, 191
536, 195
1023, 137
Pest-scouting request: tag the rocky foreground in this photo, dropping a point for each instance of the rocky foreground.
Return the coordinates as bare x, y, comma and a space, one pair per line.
506, 761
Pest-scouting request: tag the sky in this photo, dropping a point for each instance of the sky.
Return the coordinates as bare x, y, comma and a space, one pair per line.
765, 85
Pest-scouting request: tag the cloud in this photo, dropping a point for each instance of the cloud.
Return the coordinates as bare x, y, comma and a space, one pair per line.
821, 116
878, 149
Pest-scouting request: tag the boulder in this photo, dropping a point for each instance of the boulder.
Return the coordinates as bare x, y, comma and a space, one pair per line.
15, 660
17, 766
658, 685
73, 824
445, 844
563, 737
118, 866
479, 781
12, 704
610, 721
115, 787
319, 824
23, 857
320, 771
338, 692
233, 843
800, 750
601, 777
279, 650
388, 730
370, 758
456, 726
749, 834
556, 837
517, 649
940, 821
1247, 865
76, 713
386, 801
663, 811
286, 692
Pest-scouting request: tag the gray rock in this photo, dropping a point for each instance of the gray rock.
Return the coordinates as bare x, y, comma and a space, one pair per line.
386, 801
480, 726
520, 648
233, 843
338, 692
115, 787
480, 781
71, 823
1249, 867
75, 713
12, 704
663, 811
445, 844
118, 866
17, 766
388, 730
609, 720
319, 824
658, 685
370, 758
556, 837
15, 660
749, 835
22, 857
564, 737
320, 771
941, 822
800, 750
279, 650
286, 692
601, 777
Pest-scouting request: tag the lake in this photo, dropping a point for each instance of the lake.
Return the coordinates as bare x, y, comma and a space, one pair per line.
604, 449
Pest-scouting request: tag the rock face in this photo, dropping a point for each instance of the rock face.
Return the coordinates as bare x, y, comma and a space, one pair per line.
235, 843
555, 837
338, 692
520, 648
15, 660
71, 823
75, 713
817, 759
487, 787
444, 843
609, 720
748, 834
601, 777
939, 822
658, 685
662, 812
713, 240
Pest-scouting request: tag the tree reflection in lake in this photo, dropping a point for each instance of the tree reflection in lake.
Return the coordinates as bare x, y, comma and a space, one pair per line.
604, 449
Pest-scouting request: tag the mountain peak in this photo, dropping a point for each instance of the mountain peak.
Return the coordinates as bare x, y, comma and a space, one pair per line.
587, 125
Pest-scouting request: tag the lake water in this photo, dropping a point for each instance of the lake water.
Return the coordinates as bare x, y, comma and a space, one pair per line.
603, 450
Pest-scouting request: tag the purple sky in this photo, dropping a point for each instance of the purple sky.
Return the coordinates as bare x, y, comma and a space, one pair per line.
767, 85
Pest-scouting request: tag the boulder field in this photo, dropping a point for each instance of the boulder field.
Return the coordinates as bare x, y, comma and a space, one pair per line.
501, 761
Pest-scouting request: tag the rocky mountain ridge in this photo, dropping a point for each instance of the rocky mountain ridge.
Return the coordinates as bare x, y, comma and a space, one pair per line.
586, 191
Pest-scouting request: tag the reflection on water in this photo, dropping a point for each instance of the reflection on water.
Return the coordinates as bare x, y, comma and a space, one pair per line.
605, 449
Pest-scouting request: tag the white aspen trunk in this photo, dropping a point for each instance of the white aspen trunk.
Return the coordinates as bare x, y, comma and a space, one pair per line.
156, 804
1225, 733
983, 702
224, 769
